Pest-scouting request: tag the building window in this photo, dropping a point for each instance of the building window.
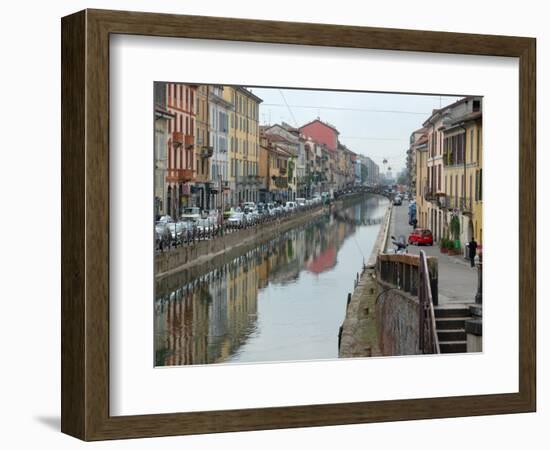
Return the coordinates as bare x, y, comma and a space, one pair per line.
480, 184
472, 145
478, 144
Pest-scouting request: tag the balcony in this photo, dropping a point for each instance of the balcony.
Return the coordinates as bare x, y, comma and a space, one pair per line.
178, 138
179, 175
189, 141
280, 182
254, 179
282, 170
206, 152
429, 194
444, 202
466, 206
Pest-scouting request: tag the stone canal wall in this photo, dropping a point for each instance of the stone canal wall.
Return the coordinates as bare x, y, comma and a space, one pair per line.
358, 335
203, 256
210, 253
397, 318
380, 319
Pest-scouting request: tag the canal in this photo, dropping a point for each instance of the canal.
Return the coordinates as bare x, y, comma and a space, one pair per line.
281, 301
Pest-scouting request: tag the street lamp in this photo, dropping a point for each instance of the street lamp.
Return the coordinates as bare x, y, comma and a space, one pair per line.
479, 293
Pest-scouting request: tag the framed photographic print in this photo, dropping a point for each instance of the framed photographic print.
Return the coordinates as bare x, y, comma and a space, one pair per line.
272, 225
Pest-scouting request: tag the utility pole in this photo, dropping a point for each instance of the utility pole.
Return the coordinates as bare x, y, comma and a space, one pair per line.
206, 184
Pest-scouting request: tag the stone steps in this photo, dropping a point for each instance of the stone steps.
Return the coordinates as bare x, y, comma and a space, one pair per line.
450, 335
446, 311
450, 325
453, 347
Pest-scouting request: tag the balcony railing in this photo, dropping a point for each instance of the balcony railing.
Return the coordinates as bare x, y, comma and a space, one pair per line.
463, 204
178, 138
280, 182
466, 205
256, 179
179, 175
189, 140
429, 194
206, 152
444, 201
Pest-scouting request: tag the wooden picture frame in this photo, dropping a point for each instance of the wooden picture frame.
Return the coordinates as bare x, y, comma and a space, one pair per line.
85, 224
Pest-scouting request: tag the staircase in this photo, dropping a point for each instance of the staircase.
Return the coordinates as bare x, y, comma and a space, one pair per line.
449, 324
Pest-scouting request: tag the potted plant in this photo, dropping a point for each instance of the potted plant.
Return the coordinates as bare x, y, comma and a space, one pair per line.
443, 245
455, 231
450, 247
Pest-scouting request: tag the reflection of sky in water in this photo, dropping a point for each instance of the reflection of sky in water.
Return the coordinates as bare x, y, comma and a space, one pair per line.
283, 301
300, 319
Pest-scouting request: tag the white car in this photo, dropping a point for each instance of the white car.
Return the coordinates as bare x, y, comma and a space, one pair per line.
251, 215
213, 216
191, 213
290, 206
300, 201
176, 229
204, 225
236, 219
166, 219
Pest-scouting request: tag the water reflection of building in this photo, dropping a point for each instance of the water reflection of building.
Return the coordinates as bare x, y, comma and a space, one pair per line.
209, 319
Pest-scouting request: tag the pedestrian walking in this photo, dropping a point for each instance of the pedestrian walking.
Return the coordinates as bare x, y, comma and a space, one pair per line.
472, 250
414, 223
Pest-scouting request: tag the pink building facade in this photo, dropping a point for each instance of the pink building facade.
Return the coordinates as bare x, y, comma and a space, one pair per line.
322, 133
181, 102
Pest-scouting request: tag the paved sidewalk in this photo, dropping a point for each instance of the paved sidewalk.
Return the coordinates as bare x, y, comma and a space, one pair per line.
457, 280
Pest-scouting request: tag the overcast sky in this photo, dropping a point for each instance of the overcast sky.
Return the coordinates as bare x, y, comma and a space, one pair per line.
372, 124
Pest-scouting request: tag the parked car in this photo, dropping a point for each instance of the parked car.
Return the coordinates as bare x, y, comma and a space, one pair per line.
163, 237
236, 219
249, 205
229, 211
290, 206
213, 216
251, 215
397, 201
300, 201
271, 208
191, 212
205, 225
177, 229
166, 219
421, 236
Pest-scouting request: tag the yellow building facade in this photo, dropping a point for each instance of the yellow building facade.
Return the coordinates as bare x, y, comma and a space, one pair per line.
202, 165
449, 162
244, 145
421, 149
463, 160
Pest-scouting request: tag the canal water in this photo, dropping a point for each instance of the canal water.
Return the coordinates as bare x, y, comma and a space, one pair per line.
281, 301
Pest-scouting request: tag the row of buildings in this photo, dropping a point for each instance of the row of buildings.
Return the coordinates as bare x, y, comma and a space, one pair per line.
211, 152
445, 169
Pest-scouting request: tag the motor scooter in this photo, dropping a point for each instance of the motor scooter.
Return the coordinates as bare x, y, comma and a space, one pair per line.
400, 244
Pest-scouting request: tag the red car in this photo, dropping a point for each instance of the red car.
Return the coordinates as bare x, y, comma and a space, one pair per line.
421, 236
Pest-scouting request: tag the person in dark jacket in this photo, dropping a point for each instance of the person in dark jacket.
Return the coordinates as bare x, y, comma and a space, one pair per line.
472, 249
